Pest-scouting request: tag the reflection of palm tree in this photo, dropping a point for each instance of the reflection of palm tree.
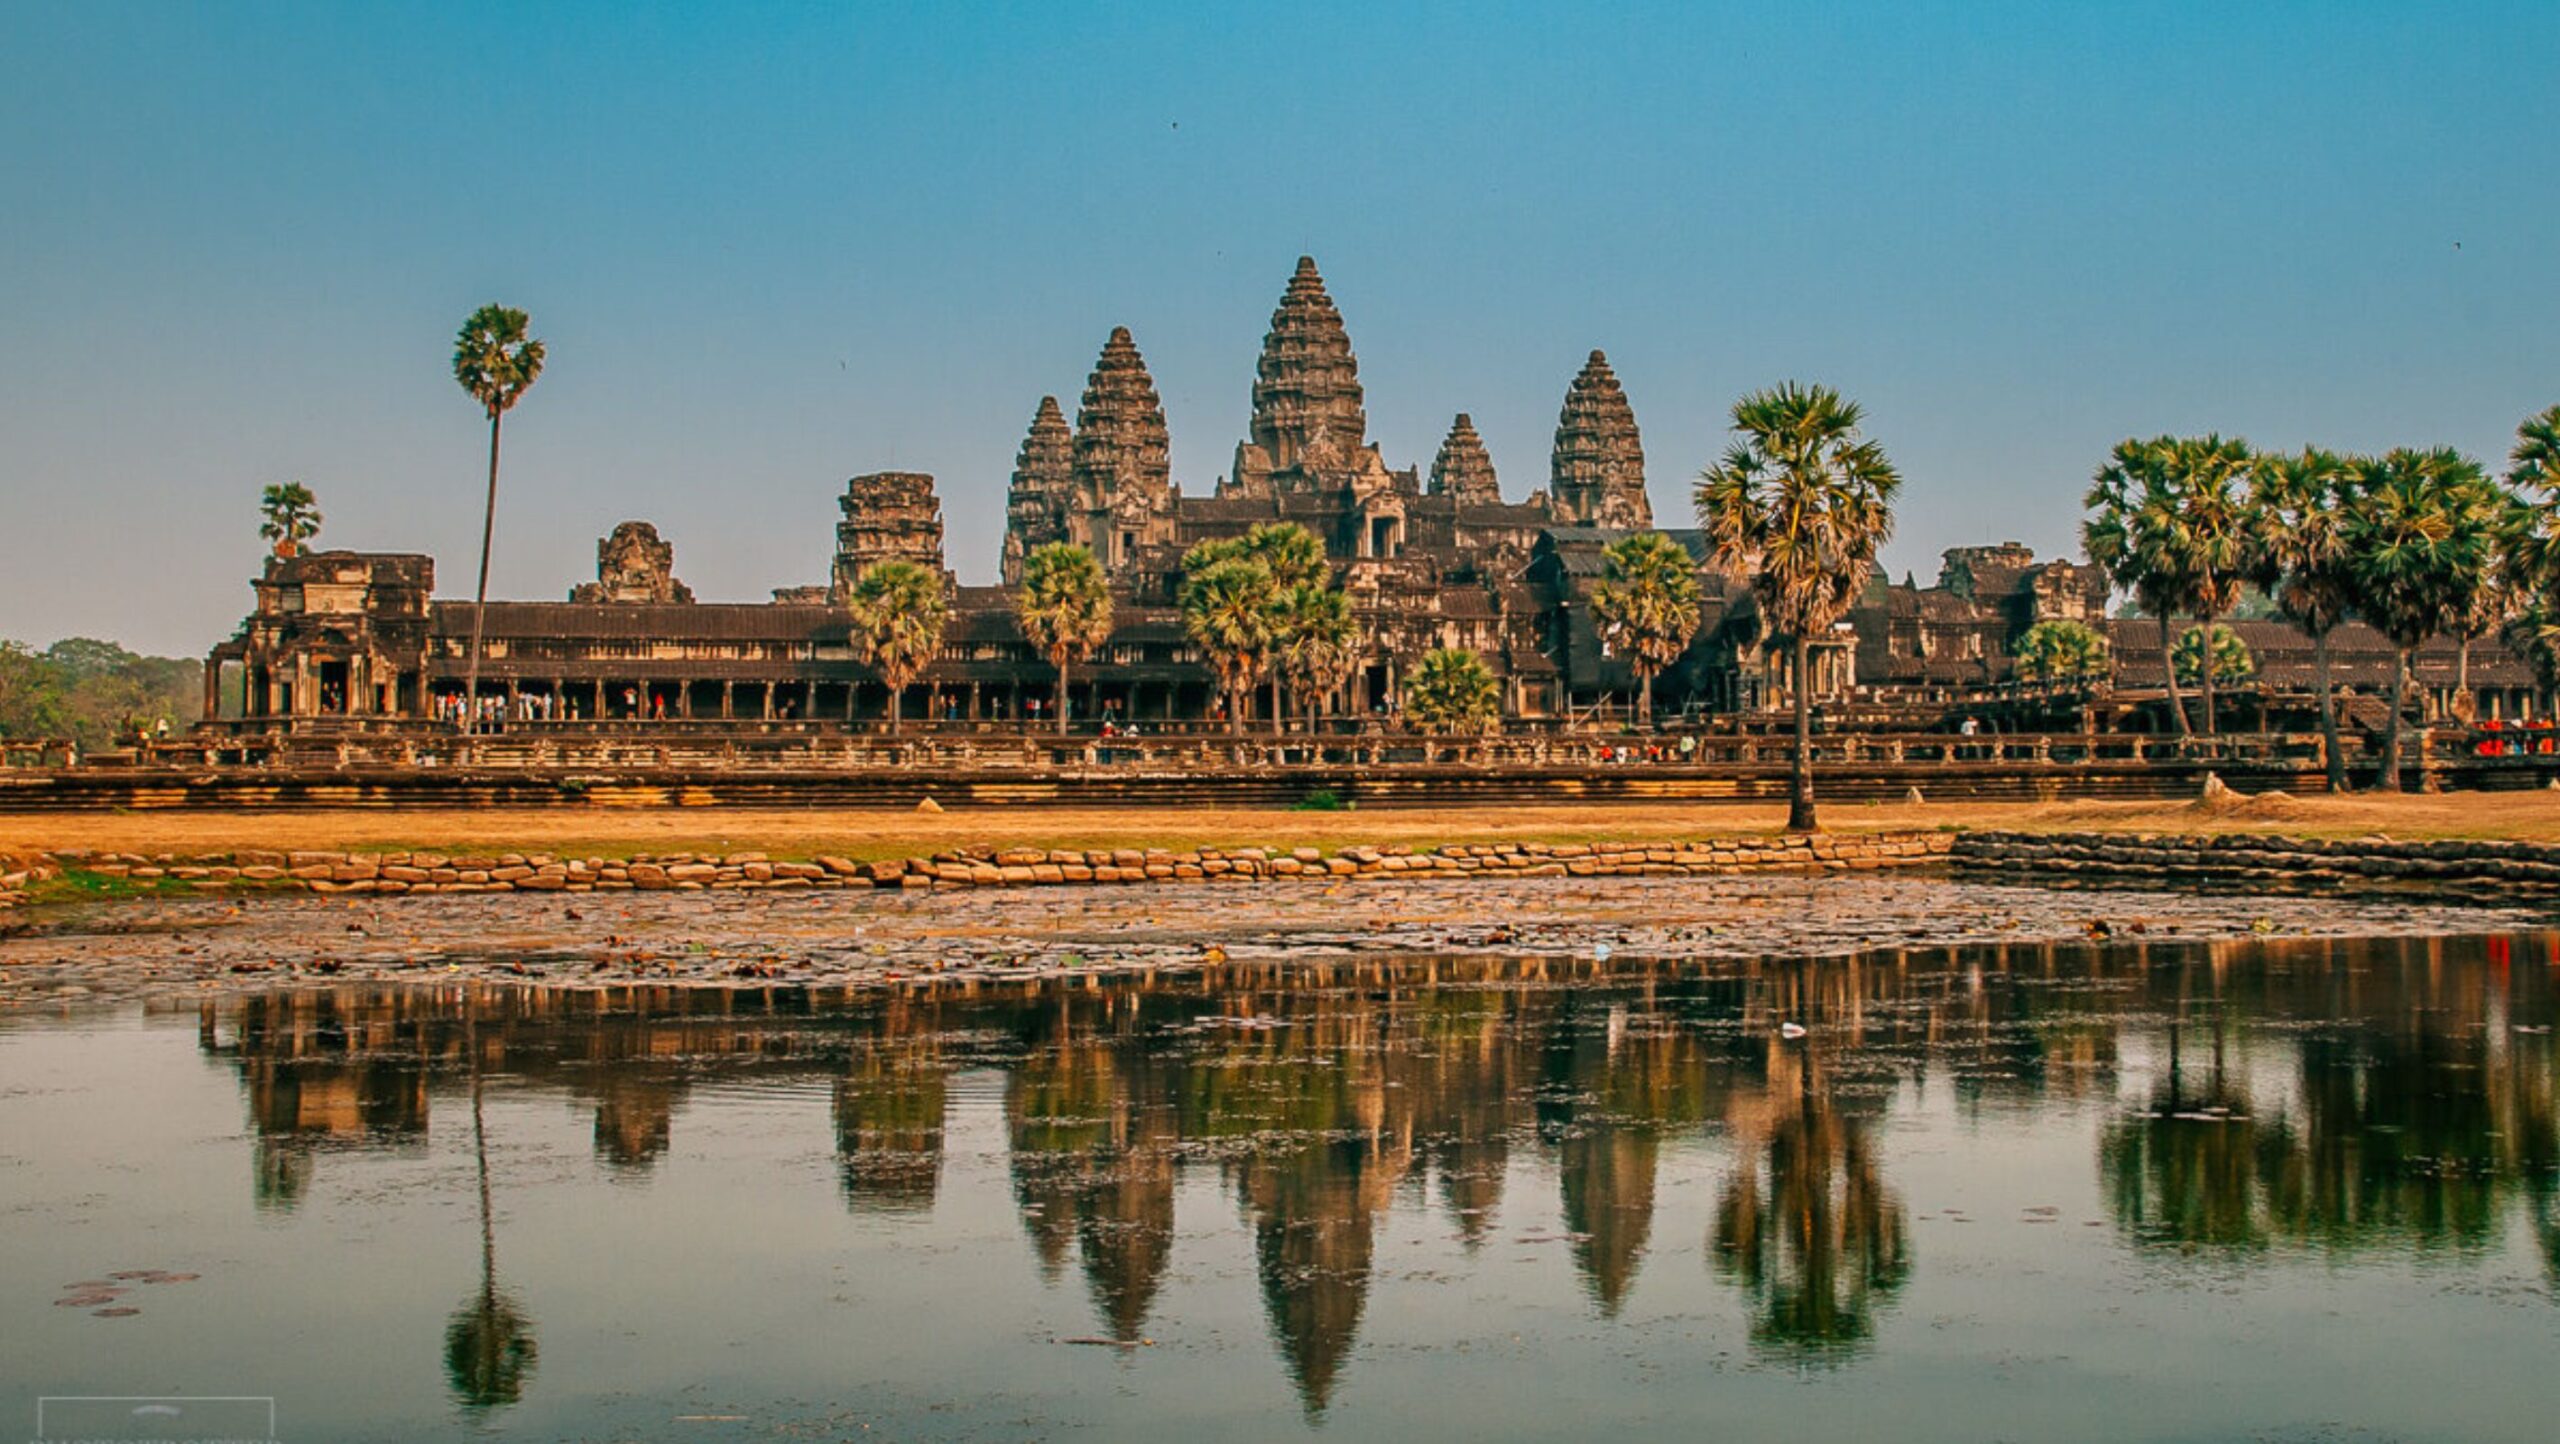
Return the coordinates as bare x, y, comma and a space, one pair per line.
1824, 1242
2186, 1170
889, 1130
488, 1344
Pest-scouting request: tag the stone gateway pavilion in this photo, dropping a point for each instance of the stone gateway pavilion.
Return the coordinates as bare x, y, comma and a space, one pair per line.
1429, 560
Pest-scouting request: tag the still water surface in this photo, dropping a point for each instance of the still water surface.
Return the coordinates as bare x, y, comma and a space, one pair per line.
2269, 1189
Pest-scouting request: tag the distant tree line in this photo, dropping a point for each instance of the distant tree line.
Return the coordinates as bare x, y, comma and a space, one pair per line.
94, 692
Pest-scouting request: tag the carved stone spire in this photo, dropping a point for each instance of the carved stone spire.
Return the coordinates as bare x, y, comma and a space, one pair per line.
1597, 477
1043, 486
1122, 462
1464, 469
1306, 388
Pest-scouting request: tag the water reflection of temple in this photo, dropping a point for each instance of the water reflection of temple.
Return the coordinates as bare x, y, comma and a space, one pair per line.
2340, 1097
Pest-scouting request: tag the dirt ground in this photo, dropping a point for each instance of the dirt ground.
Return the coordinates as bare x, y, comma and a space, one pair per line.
870, 834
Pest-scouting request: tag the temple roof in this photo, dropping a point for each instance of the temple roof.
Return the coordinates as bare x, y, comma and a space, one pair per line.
1120, 439
1464, 469
1596, 474
1306, 389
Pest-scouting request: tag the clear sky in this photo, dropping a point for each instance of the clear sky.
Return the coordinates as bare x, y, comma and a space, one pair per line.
772, 247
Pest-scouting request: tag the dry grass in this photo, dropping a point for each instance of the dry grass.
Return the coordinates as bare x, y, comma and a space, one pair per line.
603, 832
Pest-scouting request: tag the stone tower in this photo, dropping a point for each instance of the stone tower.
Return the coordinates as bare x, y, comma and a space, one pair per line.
633, 565
1307, 414
888, 516
1122, 470
1597, 478
1463, 468
1036, 503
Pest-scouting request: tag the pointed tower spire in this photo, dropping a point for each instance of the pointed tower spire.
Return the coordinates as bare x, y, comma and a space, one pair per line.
1121, 452
1306, 389
1597, 476
1464, 469
1036, 501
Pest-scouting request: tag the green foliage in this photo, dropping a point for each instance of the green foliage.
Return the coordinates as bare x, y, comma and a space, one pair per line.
1799, 505
1452, 691
2231, 659
1646, 602
2299, 505
291, 516
1064, 605
94, 692
2061, 653
1316, 642
495, 359
1323, 799
897, 613
1226, 604
2421, 537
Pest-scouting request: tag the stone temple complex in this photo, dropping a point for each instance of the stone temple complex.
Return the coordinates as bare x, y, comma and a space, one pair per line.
1428, 562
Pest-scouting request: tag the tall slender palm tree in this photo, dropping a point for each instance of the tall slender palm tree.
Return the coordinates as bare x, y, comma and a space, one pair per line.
290, 516
897, 611
2214, 534
2300, 505
1798, 507
489, 1349
1294, 556
1647, 602
2417, 545
2129, 535
2533, 553
1064, 608
1226, 609
1317, 642
495, 359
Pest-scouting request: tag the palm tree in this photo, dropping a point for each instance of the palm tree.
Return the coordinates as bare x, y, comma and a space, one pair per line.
1317, 643
2127, 534
2417, 544
1295, 558
1452, 691
292, 517
488, 1343
2533, 552
2060, 653
2300, 505
496, 361
2215, 532
1799, 506
1226, 608
1064, 608
897, 611
2231, 659
1647, 601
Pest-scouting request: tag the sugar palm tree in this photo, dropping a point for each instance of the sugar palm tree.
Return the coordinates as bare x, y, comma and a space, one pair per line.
2299, 503
897, 611
291, 516
1647, 602
489, 1349
1317, 643
2129, 535
2417, 543
495, 359
2533, 552
1226, 608
1451, 691
1064, 608
2060, 653
1798, 507
1294, 555
2215, 534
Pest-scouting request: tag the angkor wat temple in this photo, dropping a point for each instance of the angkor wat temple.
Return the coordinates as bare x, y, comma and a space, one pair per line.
1436, 560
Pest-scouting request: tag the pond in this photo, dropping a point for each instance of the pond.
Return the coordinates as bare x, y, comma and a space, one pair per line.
2170, 1190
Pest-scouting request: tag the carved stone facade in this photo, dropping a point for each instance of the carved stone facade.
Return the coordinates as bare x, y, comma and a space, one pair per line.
888, 516
1447, 564
1597, 474
1040, 495
633, 565
1463, 471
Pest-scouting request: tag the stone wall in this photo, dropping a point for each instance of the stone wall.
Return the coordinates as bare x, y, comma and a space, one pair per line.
2266, 862
430, 873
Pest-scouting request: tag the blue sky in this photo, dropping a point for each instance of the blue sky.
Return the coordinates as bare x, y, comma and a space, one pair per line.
774, 246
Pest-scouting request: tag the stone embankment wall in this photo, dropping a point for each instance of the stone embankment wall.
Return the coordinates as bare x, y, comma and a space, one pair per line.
2512, 870
431, 873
